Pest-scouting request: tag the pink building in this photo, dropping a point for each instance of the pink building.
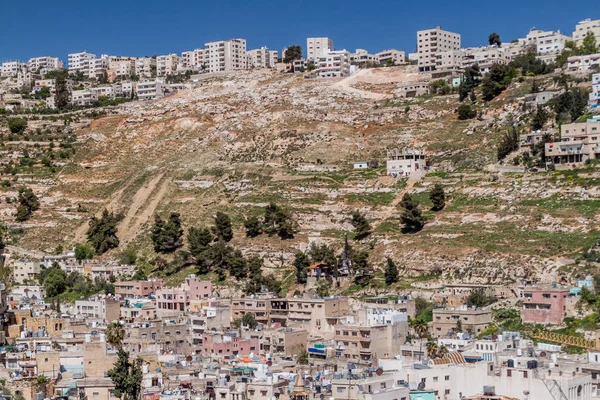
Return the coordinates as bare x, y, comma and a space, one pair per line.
175, 300
544, 305
217, 343
137, 288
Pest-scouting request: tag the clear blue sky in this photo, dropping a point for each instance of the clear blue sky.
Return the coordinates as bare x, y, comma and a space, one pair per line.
138, 28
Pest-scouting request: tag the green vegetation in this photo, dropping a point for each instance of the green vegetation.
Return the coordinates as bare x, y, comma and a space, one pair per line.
222, 228
102, 233
17, 125
126, 375
438, 197
411, 215
391, 272
361, 225
167, 235
28, 203
374, 199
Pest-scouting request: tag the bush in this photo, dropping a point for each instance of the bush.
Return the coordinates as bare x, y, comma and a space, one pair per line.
466, 111
17, 125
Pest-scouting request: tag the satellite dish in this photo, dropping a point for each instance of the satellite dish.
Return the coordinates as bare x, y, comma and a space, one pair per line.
543, 354
269, 363
421, 386
188, 358
378, 371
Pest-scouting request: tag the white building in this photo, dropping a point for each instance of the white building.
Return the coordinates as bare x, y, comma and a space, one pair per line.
98, 67
11, 68
44, 64
595, 95
392, 56
225, 56
485, 57
582, 29
433, 41
145, 67
26, 270
362, 57
167, 65
262, 58
80, 62
151, 90
83, 97
334, 64
406, 162
122, 68
583, 63
318, 47
548, 44
19, 293
104, 91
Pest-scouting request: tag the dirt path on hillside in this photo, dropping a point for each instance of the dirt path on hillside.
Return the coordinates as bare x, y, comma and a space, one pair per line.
143, 206
391, 209
345, 84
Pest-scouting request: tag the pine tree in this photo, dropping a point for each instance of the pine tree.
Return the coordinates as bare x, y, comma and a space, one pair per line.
438, 197
28, 203
199, 239
102, 233
253, 227
167, 235
126, 375
301, 262
391, 272
222, 228
411, 216
361, 225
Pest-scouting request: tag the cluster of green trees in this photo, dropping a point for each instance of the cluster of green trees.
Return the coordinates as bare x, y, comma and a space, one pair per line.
17, 125
102, 233
508, 143
588, 46
570, 105
57, 282
28, 203
275, 221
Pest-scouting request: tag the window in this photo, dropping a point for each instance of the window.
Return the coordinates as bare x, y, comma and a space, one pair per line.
524, 374
340, 389
447, 391
447, 378
435, 378
509, 372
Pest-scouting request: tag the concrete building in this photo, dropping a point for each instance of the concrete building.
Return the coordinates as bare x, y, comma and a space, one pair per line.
228, 345
145, 67
212, 317
83, 97
595, 94
25, 271
121, 67
257, 306
134, 310
362, 57
100, 310
284, 341
408, 162
172, 301
580, 141
225, 56
20, 293
485, 57
583, 63
318, 47
544, 305
151, 90
546, 42
583, 27
367, 386
80, 62
445, 321
167, 65
391, 56
11, 68
131, 289
433, 41
334, 64
262, 58
44, 64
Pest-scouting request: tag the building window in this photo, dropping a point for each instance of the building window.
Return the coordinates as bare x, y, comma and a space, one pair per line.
447, 378
509, 373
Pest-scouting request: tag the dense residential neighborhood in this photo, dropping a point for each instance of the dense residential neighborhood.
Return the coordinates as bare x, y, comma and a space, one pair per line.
346, 258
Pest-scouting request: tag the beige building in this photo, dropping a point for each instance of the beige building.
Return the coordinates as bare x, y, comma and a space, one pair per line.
26, 271
44, 64
318, 47
83, 97
430, 42
445, 321
391, 56
101, 310
151, 90
225, 56
285, 341
585, 26
579, 142
167, 65
262, 58
145, 67
583, 63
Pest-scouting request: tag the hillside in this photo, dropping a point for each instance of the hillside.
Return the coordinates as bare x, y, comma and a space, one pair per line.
236, 143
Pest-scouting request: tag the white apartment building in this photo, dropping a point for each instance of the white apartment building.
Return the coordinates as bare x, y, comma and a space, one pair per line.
486, 57
585, 26
26, 270
318, 47
548, 44
167, 65
433, 41
80, 62
144, 67
334, 64
122, 67
44, 64
583, 63
83, 97
12, 68
262, 58
151, 90
98, 66
104, 91
595, 95
452, 60
227, 55
361, 57
392, 55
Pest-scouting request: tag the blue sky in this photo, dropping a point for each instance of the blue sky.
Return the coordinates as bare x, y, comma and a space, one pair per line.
138, 28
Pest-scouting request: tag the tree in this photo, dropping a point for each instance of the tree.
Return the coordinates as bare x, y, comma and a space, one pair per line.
466, 111
459, 327
54, 280
570, 105
115, 334
28, 203
301, 262
589, 46
292, 53
199, 240
391, 272
126, 376
222, 229
411, 216
302, 355
167, 235
494, 39
361, 225
540, 118
102, 233
508, 143
237, 264
17, 125
62, 96
321, 253
438, 197
478, 298
253, 226
249, 320
361, 267
432, 349
83, 251
278, 221
471, 79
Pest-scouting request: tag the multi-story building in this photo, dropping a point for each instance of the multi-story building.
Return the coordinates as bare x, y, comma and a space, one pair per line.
319, 316
83, 97
318, 47
127, 289
262, 58
285, 341
167, 65
595, 94
225, 56
362, 57
172, 301
430, 42
26, 271
138, 310
104, 91
100, 310
446, 321
392, 56
44, 64
121, 67
151, 90
485, 57
579, 142
582, 29
212, 317
333, 64
11, 68
406, 162
449, 61
583, 63
544, 305
254, 305
546, 41
145, 67
367, 386
228, 345
80, 62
